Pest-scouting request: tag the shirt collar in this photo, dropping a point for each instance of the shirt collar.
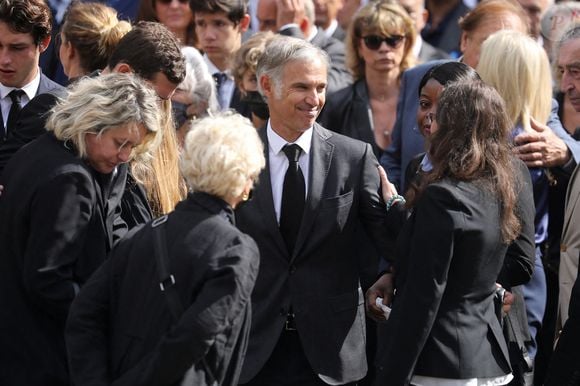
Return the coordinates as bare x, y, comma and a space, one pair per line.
212, 67
29, 89
331, 28
276, 143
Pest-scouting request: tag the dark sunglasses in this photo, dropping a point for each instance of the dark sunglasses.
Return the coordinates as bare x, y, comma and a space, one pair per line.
169, 1
373, 42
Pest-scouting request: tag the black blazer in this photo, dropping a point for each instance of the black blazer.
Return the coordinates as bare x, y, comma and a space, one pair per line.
347, 111
320, 279
443, 322
56, 229
120, 330
30, 123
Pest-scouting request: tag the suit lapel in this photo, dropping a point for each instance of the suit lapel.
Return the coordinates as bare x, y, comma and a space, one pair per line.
265, 201
572, 197
320, 160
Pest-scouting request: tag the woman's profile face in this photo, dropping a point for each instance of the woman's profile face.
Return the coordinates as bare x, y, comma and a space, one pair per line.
428, 100
113, 147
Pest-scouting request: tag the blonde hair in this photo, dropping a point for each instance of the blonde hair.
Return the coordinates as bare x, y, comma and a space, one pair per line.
221, 153
159, 174
94, 31
248, 55
519, 69
383, 18
95, 105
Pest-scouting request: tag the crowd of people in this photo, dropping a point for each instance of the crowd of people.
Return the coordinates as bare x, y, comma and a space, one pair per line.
289, 192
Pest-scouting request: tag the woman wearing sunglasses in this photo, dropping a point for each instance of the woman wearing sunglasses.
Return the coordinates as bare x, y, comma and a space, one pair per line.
379, 48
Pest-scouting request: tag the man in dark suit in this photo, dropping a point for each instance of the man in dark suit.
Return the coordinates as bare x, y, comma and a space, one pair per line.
299, 22
25, 93
564, 365
308, 308
219, 25
326, 11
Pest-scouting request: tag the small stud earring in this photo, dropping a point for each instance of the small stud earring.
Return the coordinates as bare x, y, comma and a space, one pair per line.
245, 197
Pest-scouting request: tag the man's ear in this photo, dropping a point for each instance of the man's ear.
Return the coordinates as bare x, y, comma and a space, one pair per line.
122, 68
266, 84
463, 42
43, 45
244, 23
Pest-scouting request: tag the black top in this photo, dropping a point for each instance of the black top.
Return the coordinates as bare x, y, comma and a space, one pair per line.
120, 330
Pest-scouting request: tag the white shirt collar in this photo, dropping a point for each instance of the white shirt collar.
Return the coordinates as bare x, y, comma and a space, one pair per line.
331, 28
276, 143
417, 46
29, 89
313, 33
213, 69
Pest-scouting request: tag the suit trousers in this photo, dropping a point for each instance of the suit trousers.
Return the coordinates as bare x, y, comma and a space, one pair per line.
288, 365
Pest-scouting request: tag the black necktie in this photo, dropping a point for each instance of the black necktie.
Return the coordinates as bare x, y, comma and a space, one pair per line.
15, 95
219, 78
293, 194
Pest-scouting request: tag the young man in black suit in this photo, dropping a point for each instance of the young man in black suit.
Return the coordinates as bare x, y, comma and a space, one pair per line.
308, 325
25, 93
219, 25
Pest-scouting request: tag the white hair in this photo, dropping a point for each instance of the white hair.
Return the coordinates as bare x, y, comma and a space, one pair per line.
221, 153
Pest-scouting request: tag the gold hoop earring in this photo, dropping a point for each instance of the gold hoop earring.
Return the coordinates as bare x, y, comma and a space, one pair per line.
245, 196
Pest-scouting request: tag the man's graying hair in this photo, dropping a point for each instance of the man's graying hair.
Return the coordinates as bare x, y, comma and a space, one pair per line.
282, 50
571, 33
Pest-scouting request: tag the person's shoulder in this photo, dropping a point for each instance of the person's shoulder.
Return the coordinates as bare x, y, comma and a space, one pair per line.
343, 144
48, 85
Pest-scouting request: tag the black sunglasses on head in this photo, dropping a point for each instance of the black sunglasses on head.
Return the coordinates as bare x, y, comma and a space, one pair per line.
373, 42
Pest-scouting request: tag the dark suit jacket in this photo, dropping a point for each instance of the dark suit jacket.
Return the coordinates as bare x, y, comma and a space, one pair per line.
339, 34
408, 142
30, 124
338, 75
56, 229
429, 53
347, 111
320, 280
564, 365
120, 330
443, 322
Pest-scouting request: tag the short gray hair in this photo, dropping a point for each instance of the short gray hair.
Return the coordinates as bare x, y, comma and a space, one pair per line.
220, 154
95, 105
571, 33
282, 50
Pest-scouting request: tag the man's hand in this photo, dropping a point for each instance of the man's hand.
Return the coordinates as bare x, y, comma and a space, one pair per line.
508, 300
541, 148
382, 288
289, 12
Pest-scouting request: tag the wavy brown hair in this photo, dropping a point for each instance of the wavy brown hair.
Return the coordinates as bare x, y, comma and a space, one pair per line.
472, 145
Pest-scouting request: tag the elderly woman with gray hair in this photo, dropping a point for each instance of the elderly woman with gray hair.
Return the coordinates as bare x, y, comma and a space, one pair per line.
57, 212
124, 329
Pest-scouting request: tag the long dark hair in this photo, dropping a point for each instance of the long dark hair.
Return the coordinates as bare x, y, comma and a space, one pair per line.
472, 145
